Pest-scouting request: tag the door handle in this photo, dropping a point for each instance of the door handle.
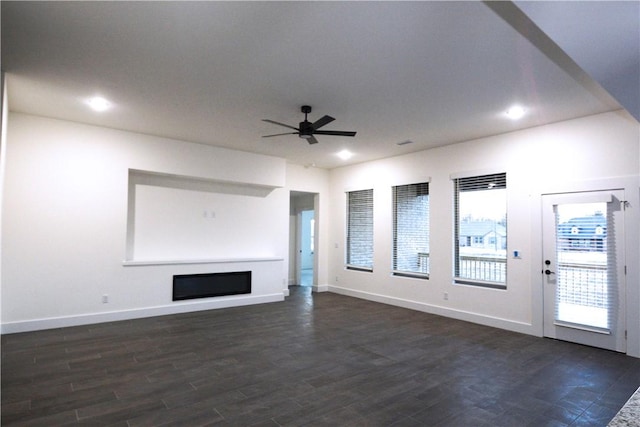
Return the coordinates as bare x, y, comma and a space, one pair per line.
547, 271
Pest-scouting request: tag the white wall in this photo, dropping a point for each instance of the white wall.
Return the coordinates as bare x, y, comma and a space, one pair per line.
536, 160
65, 223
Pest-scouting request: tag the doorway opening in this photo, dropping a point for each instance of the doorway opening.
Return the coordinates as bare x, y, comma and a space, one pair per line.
303, 239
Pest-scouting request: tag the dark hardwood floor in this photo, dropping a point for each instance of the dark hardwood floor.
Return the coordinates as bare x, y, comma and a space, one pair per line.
314, 359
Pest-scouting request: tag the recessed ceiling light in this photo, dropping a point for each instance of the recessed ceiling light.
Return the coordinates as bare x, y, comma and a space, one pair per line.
516, 112
345, 154
98, 103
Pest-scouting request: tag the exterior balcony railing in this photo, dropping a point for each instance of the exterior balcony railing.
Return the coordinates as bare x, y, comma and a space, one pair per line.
583, 284
483, 268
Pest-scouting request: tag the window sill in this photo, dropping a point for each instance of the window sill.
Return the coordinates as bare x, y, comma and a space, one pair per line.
356, 268
421, 276
479, 283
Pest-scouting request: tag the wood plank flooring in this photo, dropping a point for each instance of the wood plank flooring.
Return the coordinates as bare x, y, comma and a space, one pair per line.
314, 359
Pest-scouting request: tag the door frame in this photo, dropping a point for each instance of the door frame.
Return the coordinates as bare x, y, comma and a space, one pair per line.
614, 339
631, 186
295, 237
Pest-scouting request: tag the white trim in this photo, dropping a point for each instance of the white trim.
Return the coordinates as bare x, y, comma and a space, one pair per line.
477, 172
602, 196
410, 181
353, 267
358, 188
321, 288
495, 322
629, 182
114, 316
595, 330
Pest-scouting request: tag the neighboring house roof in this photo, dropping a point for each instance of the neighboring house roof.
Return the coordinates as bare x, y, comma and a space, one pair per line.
481, 228
586, 227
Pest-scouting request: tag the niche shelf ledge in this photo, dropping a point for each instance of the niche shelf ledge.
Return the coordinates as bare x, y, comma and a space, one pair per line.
133, 263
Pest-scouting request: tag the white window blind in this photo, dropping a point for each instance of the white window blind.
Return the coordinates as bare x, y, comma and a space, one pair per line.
480, 213
360, 230
411, 230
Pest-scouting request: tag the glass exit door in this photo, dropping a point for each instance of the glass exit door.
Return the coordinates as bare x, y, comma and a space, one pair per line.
583, 271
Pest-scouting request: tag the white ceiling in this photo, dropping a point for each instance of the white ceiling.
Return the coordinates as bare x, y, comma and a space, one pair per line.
434, 73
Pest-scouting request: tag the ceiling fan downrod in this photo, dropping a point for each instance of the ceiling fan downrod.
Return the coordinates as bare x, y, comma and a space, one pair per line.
306, 130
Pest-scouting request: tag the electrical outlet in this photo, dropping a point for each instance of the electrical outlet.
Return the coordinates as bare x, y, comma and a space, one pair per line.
446, 296
336, 279
105, 299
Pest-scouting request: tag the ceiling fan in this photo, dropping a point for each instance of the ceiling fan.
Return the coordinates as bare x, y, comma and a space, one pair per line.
307, 130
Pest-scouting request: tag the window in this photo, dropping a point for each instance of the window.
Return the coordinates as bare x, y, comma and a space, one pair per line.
584, 269
480, 209
411, 230
360, 230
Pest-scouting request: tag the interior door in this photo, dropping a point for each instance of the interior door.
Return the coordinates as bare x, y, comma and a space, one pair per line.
583, 268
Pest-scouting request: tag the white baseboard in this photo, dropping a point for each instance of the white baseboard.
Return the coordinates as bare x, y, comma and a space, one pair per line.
320, 288
181, 307
481, 319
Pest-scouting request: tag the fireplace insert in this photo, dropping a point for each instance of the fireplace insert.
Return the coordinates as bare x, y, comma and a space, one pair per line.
191, 286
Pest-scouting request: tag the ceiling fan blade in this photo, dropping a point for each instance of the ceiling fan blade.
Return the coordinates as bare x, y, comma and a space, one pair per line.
334, 132
312, 140
280, 134
321, 122
280, 124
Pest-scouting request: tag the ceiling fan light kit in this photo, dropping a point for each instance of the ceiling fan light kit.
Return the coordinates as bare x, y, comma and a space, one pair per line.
307, 130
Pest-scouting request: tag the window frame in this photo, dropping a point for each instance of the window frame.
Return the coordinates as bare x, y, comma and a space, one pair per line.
396, 192
366, 201
471, 180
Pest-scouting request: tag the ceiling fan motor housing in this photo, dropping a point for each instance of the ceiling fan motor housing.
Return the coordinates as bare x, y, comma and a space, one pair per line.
306, 130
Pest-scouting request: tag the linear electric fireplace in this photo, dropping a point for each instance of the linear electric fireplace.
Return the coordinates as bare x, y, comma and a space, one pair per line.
190, 286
